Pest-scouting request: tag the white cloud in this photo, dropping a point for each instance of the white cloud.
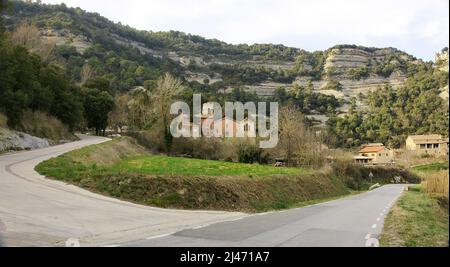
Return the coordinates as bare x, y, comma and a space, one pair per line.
416, 26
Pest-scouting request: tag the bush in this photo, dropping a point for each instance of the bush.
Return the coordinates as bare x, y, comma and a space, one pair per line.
3, 121
358, 73
356, 177
251, 153
150, 139
42, 125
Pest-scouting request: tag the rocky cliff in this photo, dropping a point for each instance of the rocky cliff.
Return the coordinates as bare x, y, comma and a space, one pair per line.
16, 141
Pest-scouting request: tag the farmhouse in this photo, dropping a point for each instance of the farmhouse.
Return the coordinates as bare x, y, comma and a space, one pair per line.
374, 154
433, 144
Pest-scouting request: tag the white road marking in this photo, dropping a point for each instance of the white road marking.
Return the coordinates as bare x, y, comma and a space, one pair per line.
159, 236
373, 243
368, 236
378, 219
201, 226
73, 242
374, 226
381, 214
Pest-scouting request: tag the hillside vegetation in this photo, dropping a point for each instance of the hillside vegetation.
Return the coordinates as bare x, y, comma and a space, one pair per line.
368, 94
393, 114
129, 57
37, 96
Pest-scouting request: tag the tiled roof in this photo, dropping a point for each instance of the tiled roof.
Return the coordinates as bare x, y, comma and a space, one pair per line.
429, 137
372, 149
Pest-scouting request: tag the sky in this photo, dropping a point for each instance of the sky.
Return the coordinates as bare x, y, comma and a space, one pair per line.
419, 27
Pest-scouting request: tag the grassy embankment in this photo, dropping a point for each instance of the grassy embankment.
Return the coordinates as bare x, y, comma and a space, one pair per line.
420, 217
123, 169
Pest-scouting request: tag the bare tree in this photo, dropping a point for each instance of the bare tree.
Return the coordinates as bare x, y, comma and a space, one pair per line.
167, 88
118, 118
86, 73
140, 108
47, 50
292, 131
150, 107
28, 36
298, 144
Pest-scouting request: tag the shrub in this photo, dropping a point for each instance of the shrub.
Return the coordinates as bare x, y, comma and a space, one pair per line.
251, 153
358, 73
43, 125
150, 139
356, 177
3, 121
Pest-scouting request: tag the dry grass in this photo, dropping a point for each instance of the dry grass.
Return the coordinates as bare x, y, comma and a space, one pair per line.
42, 125
3, 121
417, 220
107, 153
436, 183
408, 159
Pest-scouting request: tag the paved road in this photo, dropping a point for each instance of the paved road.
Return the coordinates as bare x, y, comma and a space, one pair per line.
35, 211
351, 222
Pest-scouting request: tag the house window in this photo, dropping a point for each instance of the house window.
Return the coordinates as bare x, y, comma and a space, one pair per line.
429, 146
436, 145
379, 155
423, 146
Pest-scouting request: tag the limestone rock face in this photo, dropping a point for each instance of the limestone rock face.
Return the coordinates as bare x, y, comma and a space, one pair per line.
66, 37
12, 140
341, 60
442, 60
444, 93
347, 58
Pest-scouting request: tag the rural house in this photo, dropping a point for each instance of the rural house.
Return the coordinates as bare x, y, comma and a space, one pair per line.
433, 144
374, 154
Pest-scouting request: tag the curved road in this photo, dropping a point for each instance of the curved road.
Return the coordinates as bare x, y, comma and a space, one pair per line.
355, 221
35, 211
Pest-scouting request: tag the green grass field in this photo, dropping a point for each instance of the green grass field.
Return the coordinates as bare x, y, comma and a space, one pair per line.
417, 220
431, 167
183, 166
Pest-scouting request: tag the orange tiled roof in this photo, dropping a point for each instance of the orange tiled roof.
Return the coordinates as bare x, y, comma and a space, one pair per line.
371, 149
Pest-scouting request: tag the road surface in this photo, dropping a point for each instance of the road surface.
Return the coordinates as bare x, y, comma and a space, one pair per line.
355, 221
35, 211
